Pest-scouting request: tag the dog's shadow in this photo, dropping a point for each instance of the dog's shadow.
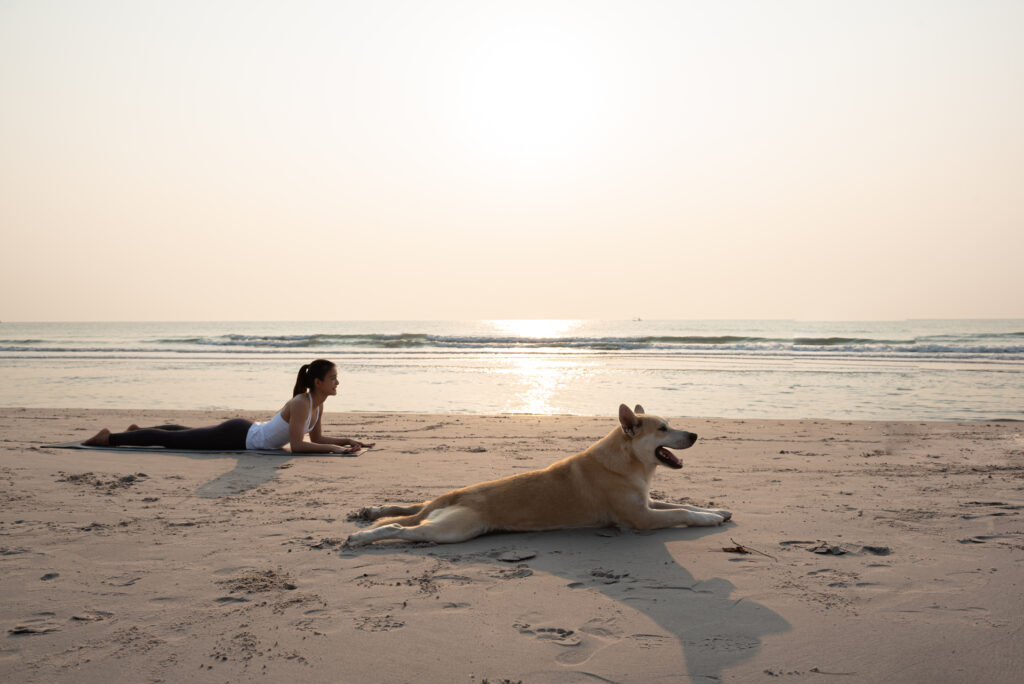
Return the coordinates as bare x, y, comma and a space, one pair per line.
715, 629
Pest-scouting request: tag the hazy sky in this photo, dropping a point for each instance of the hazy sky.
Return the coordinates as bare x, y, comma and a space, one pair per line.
441, 159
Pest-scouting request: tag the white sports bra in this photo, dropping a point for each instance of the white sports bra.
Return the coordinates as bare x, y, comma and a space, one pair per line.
274, 434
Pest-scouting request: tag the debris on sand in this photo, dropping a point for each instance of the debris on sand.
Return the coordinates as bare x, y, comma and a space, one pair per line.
740, 548
735, 549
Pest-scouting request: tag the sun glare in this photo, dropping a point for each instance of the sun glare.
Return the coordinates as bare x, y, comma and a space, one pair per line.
532, 94
535, 328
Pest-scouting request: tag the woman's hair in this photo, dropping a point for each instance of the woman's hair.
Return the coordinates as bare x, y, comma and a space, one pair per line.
310, 372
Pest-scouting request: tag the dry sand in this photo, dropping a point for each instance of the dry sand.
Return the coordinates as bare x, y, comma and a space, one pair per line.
165, 567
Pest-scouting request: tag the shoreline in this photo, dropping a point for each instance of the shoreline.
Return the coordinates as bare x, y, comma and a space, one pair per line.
165, 565
258, 414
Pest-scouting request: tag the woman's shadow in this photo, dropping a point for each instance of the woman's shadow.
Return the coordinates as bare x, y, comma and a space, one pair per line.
250, 471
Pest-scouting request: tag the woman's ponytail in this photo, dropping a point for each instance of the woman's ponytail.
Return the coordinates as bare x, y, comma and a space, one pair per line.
302, 381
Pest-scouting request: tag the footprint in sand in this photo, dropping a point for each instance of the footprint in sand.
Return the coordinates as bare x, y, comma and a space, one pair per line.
580, 644
725, 643
648, 641
121, 580
603, 576
378, 623
604, 628
91, 616
224, 600
559, 635
40, 623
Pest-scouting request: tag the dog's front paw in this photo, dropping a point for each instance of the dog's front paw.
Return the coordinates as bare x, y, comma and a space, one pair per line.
706, 519
726, 515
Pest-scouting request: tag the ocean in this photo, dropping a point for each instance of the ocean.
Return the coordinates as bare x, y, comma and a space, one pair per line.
896, 370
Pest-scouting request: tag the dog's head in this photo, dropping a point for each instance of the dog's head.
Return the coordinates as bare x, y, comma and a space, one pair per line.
650, 438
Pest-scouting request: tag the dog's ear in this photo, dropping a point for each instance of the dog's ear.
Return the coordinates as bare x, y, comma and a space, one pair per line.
639, 410
628, 420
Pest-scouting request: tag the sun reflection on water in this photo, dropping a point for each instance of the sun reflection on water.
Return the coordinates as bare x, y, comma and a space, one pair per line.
536, 377
536, 381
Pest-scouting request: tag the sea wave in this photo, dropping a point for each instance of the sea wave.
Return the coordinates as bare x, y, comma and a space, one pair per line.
845, 341
425, 340
611, 343
1002, 346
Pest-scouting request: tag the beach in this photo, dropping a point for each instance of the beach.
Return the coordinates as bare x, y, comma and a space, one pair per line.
476, 230
876, 551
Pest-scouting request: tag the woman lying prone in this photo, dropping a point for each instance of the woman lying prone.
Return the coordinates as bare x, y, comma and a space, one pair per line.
300, 416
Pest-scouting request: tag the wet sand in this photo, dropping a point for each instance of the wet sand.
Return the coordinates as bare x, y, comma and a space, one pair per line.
880, 552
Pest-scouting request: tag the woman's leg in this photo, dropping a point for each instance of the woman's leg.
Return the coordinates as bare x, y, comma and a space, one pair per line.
102, 438
229, 435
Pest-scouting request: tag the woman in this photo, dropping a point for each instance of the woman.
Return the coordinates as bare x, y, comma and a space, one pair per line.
300, 416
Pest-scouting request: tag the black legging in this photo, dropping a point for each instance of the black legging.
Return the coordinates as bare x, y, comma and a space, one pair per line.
229, 435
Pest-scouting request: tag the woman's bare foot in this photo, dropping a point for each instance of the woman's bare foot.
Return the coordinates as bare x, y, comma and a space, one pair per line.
132, 428
102, 438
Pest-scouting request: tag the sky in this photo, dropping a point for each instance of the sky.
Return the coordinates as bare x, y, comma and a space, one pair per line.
449, 159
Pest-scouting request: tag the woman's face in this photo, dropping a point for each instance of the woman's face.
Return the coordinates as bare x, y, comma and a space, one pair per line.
330, 382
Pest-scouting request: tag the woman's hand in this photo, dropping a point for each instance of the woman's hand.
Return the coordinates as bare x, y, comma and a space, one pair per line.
361, 445
344, 449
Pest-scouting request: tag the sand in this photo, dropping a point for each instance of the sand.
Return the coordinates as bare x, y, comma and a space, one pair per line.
889, 552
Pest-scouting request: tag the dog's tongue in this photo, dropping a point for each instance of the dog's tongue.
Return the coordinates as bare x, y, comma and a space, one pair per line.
670, 457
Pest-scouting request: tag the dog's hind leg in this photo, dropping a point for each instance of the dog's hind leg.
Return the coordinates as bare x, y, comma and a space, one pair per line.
377, 512
444, 526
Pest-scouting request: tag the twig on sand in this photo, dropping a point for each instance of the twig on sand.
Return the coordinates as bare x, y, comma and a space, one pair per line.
818, 671
740, 548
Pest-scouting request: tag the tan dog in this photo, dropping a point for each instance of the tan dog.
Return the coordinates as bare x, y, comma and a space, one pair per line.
607, 484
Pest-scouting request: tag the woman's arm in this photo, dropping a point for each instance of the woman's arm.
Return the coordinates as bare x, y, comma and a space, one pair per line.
341, 441
316, 435
299, 413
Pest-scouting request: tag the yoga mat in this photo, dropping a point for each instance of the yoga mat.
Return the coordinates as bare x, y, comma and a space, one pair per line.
165, 450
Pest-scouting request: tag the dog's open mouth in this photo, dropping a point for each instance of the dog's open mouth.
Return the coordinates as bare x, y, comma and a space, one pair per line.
668, 458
